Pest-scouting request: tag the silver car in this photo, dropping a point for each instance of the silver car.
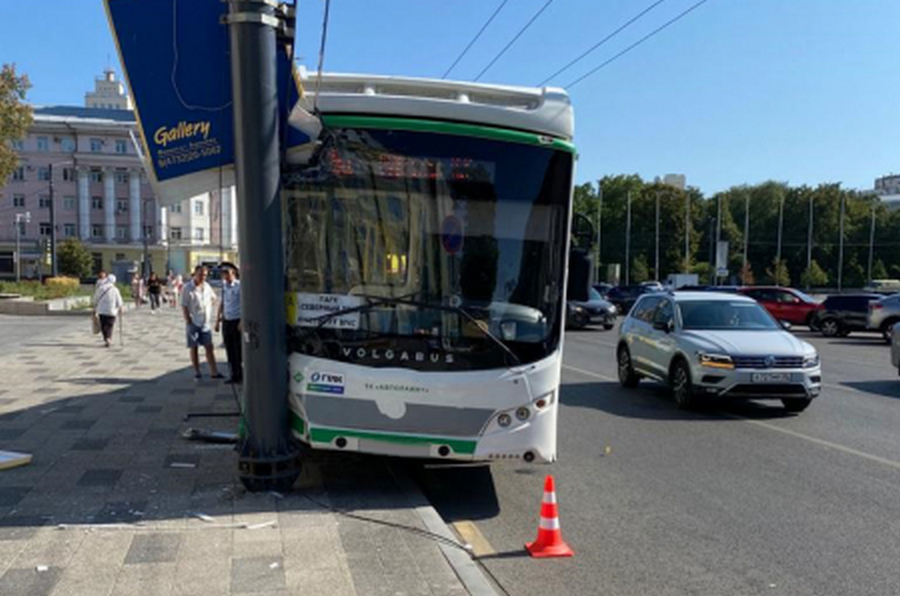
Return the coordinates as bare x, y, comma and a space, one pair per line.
709, 344
884, 313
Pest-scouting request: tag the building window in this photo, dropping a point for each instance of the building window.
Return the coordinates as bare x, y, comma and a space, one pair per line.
96, 231
18, 200
98, 261
96, 202
45, 229
121, 205
18, 174
120, 256
121, 146
69, 174
96, 145
18, 144
69, 203
174, 233
69, 230
121, 232
175, 208
44, 202
121, 177
148, 232
43, 144
198, 207
67, 144
198, 234
43, 173
96, 175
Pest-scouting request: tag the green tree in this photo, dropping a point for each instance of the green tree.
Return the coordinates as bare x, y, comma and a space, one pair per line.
640, 271
879, 271
15, 117
778, 274
74, 259
814, 276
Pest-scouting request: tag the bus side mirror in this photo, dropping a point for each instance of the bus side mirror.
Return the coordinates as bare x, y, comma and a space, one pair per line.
579, 275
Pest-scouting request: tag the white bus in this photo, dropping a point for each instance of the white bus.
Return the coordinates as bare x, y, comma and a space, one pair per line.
426, 258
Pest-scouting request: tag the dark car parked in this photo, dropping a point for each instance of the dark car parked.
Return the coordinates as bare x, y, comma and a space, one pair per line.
624, 297
838, 315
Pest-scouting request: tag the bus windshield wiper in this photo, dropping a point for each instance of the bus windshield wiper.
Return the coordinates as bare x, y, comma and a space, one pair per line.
384, 300
454, 309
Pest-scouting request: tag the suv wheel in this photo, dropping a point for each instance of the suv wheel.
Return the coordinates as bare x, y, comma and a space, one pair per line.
627, 377
796, 404
682, 388
830, 327
886, 328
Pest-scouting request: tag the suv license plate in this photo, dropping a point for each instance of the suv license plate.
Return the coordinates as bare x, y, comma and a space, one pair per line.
770, 377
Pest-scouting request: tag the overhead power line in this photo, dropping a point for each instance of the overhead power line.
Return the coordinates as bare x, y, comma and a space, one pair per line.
600, 43
513, 40
637, 43
474, 39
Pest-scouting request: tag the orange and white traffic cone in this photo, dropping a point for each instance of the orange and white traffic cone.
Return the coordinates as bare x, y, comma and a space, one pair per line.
549, 541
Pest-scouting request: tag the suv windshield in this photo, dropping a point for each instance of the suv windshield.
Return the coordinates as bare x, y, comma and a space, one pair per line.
431, 243
725, 315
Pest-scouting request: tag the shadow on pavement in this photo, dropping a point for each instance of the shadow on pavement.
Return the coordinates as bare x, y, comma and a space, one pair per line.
117, 456
653, 401
887, 388
458, 492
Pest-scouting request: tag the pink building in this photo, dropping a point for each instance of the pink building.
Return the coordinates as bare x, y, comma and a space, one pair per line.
87, 159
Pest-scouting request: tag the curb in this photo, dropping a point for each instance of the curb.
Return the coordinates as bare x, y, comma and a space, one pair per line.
465, 568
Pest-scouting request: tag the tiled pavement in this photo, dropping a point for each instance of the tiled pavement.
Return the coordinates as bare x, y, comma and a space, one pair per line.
117, 503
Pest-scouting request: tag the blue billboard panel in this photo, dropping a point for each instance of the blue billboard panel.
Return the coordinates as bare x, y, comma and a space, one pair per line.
176, 59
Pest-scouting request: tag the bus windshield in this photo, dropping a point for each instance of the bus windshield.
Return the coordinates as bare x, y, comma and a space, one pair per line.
410, 243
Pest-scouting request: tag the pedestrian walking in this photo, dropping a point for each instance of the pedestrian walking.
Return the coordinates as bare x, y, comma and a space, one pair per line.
230, 320
137, 289
107, 305
198, 304
154, 290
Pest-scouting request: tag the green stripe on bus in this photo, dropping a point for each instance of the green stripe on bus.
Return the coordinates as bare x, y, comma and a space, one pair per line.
298, 424
327, 435
450, 128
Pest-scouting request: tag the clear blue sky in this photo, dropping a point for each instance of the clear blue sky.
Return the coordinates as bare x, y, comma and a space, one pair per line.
739, 91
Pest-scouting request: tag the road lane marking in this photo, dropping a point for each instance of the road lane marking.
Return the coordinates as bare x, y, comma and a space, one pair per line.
588, 373
797, 435
822, 442
595, 342
471, 535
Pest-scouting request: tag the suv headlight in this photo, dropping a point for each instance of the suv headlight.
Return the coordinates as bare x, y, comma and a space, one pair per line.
811, 361
716, 360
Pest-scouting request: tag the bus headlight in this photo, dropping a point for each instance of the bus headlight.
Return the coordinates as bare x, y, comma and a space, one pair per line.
523, 413
504, 420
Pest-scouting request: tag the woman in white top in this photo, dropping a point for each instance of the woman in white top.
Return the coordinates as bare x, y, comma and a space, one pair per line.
107, 304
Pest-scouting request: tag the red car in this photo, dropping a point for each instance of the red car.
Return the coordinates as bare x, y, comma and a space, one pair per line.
785, 304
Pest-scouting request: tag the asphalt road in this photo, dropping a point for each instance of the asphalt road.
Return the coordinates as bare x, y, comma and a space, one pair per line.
739, 499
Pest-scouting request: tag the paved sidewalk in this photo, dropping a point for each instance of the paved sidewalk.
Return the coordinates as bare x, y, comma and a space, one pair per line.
116, 502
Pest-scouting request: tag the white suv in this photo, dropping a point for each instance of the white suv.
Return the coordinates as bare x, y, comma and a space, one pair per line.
707, 344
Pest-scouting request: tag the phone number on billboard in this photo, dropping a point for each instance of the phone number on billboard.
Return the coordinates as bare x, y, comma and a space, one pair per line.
187, 155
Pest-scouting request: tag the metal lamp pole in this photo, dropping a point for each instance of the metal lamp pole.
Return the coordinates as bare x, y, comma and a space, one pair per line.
599, 225
20, 217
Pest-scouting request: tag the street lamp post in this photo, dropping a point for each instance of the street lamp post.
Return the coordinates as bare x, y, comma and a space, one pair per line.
20, 217
599, 228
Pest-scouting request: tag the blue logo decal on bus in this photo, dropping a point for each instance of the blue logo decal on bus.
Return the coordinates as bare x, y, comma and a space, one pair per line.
324, 382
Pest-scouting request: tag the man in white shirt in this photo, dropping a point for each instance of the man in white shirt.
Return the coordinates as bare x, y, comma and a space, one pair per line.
198, 304
230, 319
